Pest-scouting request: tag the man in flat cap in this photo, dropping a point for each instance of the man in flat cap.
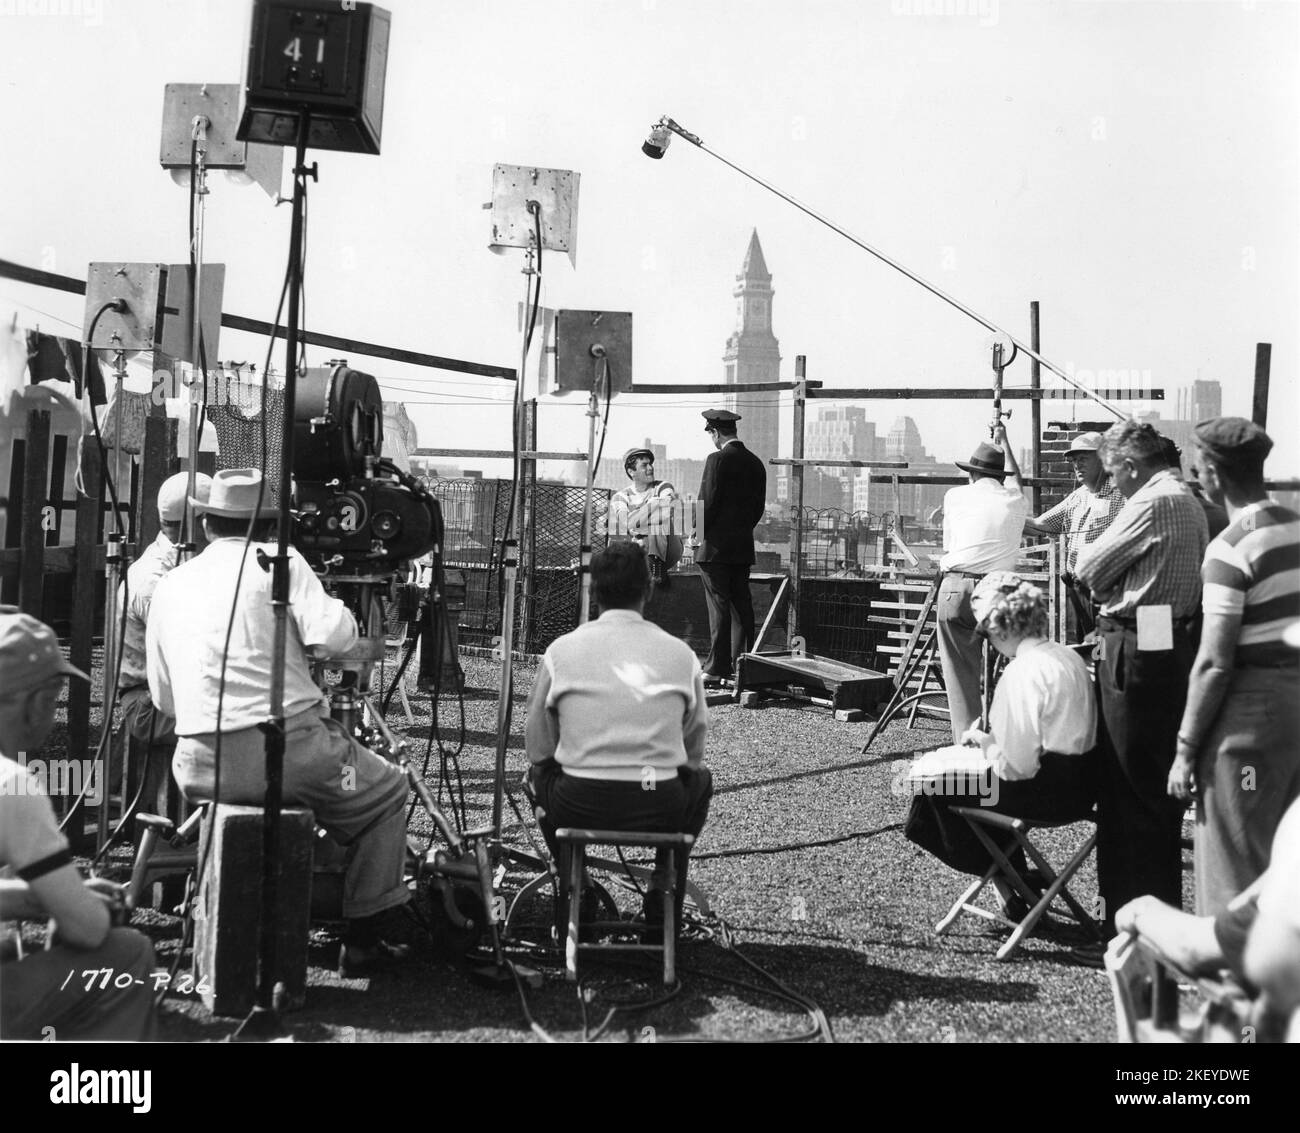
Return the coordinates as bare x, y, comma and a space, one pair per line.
983, 521
151, 727
1237, 743
1082, 516
1145, 572
37, 998
733, 492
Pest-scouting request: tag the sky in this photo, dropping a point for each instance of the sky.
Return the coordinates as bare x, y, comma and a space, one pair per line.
1132, 166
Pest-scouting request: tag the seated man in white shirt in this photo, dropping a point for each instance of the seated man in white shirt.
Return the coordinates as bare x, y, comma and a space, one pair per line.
220, 696
617, 720
1042, 730
983, 522
149, 726
46, 995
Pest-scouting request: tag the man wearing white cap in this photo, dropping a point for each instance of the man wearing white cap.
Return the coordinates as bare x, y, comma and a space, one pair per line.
209, 645
1082, 517
142, 578
45, 995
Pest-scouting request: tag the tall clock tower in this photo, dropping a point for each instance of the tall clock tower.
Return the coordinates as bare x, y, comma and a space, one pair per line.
753, 355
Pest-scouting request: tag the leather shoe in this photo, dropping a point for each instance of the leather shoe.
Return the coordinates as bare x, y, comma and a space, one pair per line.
357, 961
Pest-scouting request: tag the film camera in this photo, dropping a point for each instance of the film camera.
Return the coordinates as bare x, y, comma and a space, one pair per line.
355, 513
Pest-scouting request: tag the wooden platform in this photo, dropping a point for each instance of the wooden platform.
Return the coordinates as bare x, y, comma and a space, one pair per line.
842, 687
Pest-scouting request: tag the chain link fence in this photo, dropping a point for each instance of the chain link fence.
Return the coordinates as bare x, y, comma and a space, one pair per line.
476, 516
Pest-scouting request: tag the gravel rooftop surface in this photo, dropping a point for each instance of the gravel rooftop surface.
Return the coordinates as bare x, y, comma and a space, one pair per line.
803, 857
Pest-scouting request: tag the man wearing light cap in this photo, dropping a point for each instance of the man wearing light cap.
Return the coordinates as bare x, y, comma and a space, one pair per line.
1144, 572
1237, 740
45, 995
1082, 517
732, 491
643, 512
142, 577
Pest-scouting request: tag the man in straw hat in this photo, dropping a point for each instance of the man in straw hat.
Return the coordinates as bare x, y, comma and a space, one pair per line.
733, 491
37, 999
357, 796
983, 521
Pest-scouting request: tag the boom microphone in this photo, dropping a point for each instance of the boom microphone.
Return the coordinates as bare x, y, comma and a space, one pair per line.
657, 143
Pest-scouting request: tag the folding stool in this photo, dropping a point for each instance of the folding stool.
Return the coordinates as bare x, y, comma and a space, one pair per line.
573, 859
982, 821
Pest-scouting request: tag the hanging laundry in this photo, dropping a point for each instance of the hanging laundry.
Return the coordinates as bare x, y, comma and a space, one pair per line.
132, 410
52, 359
239, 437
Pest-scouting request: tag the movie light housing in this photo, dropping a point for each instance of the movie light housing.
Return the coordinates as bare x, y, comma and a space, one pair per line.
583, 339
323, 60
556, 193
219, 104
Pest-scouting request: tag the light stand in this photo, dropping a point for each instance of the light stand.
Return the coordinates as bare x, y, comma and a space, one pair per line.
263, 1021
601, 383
510, 561
198, 371
657, 143
115, 563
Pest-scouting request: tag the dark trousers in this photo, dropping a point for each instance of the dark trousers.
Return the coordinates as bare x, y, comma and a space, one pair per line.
1064, 790
726, 589
1082, 620
673, 806
1139, 826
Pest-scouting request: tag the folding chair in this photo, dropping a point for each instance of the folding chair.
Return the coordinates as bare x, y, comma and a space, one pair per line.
1145, 986
1013, 833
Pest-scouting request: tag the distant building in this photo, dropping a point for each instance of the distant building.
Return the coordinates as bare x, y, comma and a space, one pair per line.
753, 355
874, 490
1196, 402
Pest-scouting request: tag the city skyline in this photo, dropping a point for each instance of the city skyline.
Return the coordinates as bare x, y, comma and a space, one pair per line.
1062, 153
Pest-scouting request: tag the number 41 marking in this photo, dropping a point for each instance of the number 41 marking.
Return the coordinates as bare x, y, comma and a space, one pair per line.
294, 50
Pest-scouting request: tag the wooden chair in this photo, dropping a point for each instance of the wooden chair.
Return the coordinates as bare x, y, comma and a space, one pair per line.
573, 861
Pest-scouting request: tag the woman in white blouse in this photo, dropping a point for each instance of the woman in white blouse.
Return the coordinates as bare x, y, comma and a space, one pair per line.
1042, 728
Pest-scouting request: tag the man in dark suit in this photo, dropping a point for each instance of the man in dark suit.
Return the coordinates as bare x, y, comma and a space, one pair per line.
733, 492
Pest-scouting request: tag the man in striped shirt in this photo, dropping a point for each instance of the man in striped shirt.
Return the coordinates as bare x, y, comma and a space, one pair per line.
1238, 739
1145, 572
1082, 516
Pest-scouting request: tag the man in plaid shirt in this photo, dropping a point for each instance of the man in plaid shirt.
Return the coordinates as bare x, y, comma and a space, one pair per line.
1082, 516
1145, 572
